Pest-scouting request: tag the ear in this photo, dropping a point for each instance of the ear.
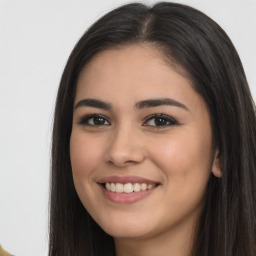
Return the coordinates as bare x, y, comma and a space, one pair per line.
216, 166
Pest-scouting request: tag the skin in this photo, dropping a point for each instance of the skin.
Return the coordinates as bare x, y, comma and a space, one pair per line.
178, 155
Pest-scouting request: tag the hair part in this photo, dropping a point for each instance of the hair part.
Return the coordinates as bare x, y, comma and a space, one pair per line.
190, 40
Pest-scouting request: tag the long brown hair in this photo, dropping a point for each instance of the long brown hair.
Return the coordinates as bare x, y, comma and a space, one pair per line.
189, 38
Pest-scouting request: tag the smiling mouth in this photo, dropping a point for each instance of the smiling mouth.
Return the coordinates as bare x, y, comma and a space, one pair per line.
128, 187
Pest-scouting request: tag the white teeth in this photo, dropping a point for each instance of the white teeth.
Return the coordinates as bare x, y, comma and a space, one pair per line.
136, 187
119, 188
143, 186
113, 187
128, 187
108, 186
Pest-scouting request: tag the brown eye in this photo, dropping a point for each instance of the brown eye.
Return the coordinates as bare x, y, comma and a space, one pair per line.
94, 120
160, 121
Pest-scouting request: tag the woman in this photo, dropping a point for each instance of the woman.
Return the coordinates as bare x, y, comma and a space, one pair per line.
154, 140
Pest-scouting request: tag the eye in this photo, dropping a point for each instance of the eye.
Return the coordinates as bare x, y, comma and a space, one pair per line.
160, 121
94, 120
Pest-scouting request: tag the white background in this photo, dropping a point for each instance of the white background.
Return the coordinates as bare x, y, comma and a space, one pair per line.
36, 38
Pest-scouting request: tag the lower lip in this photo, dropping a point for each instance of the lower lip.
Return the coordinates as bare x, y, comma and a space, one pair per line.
127, 198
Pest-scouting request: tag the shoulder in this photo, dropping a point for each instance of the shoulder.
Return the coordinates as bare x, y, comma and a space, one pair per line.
3, 252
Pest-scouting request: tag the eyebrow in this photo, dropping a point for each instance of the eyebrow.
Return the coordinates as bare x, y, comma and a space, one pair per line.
159, 102
93, 103
139, 105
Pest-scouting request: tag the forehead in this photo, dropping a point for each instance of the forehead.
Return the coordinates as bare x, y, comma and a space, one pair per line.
127, 62
141, 56
133, 73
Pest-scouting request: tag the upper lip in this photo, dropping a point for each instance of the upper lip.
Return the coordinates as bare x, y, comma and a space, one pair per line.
126, 179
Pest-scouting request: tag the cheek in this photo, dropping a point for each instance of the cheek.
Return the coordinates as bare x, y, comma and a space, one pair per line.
84, 156
184, 162
183, 158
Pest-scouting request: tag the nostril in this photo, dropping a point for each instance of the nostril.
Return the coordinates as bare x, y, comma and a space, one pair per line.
121, 163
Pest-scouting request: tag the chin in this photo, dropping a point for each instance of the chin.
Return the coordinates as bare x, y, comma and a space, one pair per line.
126, 233
123, 228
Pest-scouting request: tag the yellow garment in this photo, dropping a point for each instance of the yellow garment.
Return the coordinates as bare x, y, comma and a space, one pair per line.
3, 252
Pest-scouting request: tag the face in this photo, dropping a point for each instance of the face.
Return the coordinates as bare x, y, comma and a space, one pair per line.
141, 144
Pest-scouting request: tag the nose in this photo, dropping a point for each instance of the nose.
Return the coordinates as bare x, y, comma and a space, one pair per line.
125, 148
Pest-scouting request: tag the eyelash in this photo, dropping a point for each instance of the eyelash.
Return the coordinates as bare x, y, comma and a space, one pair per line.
168, 121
